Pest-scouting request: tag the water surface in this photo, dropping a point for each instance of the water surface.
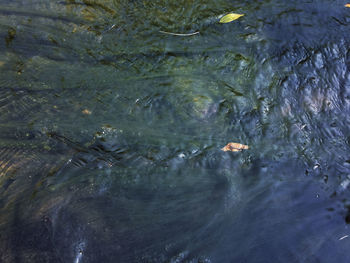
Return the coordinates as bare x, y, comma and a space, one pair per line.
111, 131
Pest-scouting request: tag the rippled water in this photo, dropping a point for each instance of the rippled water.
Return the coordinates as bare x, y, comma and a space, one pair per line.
111, 131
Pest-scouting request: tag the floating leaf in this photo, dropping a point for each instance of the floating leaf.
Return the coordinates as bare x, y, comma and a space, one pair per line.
347, 5
234, 147
86, 112
230, 17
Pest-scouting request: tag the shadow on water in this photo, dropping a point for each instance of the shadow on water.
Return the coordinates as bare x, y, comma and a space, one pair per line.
111, 131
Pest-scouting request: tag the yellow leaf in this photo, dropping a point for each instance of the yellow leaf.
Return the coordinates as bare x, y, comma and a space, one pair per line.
347, 5
230, 17
234, 147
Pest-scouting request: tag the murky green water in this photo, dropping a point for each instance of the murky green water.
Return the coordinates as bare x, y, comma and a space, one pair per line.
111, 131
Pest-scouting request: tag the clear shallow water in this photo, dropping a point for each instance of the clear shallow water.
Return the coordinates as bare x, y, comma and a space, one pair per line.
110, 132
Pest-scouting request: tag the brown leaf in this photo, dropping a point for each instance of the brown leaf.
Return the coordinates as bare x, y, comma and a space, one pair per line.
86, 111
234, 147
347, 5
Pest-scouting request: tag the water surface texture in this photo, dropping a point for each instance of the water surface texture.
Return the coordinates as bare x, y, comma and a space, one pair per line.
111, 131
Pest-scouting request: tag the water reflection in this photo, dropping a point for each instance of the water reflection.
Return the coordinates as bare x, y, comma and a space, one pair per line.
111, 132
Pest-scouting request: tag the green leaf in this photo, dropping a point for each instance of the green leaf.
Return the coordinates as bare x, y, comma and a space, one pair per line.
230, 17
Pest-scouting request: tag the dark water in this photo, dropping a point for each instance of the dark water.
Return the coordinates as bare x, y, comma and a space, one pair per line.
110, 131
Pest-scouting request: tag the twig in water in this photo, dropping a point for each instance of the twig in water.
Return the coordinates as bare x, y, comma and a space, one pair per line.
179, 34
343, 237
109, 29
